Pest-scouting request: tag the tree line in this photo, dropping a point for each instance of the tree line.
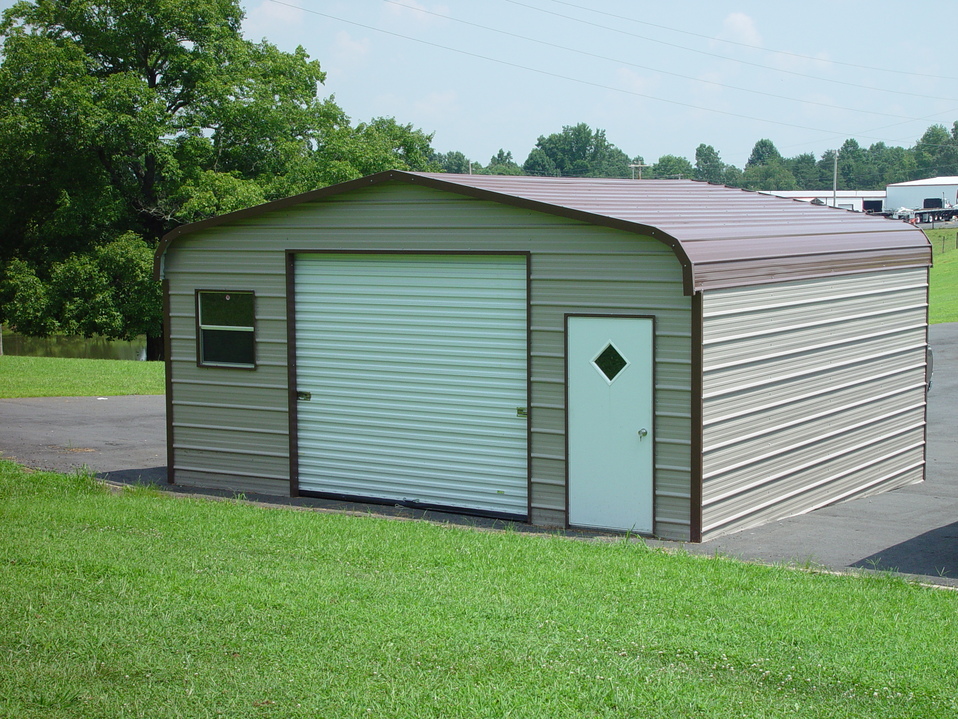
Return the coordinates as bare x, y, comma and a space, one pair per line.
121, 120
579, 151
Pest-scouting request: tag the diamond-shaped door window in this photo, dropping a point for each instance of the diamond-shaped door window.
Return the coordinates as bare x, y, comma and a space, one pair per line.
610, 362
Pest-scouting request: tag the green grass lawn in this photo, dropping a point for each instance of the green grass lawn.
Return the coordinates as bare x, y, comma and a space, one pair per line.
943, 281
136, 604
60, 377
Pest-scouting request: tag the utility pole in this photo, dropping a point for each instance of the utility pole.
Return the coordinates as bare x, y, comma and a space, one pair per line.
640, 166
835, 182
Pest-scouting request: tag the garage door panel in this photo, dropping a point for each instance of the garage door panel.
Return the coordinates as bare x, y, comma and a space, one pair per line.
416, 365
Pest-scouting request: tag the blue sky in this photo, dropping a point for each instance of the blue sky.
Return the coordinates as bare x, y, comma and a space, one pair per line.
659, 78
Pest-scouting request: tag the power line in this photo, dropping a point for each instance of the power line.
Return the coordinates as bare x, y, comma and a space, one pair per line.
644, 67
721, 57
754, 47
559, 76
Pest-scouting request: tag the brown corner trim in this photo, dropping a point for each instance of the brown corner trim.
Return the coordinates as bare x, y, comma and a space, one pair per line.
168, 362
698, 420
291, 399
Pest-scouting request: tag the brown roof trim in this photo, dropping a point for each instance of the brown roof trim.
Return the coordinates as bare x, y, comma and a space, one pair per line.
438, 183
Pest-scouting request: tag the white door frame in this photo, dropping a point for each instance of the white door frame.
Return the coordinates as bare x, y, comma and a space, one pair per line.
648, 423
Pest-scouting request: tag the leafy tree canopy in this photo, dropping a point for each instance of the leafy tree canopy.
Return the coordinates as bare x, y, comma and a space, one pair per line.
125, 116
770, 176
673, 167
577, 151
763, 153
708, 164
454, 162
502, 164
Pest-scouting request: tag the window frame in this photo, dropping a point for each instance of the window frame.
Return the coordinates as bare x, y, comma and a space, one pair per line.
201, 328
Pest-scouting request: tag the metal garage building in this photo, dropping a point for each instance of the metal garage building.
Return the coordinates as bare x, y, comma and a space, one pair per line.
666, 357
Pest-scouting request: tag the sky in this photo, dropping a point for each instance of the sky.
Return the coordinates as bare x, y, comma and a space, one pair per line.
659, 78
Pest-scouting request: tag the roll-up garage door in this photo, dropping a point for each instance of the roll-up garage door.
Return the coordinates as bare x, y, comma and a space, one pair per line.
411, 374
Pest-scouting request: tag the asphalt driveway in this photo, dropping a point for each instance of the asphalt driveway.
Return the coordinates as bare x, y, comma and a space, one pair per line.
120, 437
912, 530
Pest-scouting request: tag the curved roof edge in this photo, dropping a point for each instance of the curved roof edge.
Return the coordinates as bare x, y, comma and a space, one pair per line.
722, 236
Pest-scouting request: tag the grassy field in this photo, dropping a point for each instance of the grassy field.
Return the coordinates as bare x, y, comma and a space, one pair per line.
135, 604
59, 377
943, 290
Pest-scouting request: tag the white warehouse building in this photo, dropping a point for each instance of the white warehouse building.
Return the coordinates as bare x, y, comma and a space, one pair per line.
857, 200
933, 192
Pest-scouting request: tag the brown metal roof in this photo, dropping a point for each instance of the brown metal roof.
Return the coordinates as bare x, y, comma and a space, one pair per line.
724, 237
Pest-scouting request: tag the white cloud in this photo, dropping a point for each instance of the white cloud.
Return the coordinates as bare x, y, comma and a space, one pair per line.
349, 50
739, 27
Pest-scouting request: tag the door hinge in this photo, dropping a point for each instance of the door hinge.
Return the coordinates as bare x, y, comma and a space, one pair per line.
304, 396
521, 412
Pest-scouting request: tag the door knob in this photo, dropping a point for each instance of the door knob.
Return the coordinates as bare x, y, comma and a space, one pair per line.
643, 432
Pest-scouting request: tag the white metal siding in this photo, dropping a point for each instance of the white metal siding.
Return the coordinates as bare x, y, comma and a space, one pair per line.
813, 393
417, 369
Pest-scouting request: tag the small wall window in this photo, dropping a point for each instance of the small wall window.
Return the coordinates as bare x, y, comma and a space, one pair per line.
226, 335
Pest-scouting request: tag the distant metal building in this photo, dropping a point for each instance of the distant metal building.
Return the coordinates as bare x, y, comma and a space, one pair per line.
931, 193
855, 200
666, 357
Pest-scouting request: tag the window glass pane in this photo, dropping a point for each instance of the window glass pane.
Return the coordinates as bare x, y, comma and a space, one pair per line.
228, 347
226, 309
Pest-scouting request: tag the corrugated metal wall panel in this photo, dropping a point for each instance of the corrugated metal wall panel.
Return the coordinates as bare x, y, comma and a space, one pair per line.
248, 255
808, 387
416, 365
244, 481
205, 400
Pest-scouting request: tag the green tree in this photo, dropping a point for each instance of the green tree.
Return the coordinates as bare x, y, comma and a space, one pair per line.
453, 162
763, 153
732, 176
540, 164
577, 151
708, 165
119, 116
893, 164
770, 176
672, 167
502, 163
936, 153
805, 171
826, 170
109, 291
